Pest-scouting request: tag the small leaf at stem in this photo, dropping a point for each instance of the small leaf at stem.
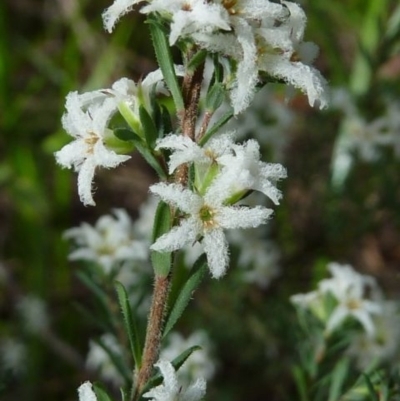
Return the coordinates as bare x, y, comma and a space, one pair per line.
196, 60
130, 324
162, 223
101, 394
186, 293
149, 128
164, 58
215, 128
215, 97
126, 134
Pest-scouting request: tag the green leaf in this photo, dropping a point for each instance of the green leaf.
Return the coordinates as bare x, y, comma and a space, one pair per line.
101, 394
196, 61
165, 62
162, 223
339, 375
215, 96
130, 324
301, 382
372, 393
186, 293
213, 130
126, 134
149, 128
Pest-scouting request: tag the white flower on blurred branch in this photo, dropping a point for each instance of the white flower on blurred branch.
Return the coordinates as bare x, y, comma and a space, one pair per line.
110, 241
87, 123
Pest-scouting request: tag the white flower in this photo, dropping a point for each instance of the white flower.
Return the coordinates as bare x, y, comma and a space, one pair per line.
349, 288
99, 360
113, 13
86, 393
199, 364
187, 151
283, 54
243, 170
33, 313
190, 16
110, 241
87, 123
170, 390
207, 217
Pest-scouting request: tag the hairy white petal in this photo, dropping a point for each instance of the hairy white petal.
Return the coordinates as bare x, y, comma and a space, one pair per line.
113, 13
243, 217
178, 236
178, 196
86, 393
216, 249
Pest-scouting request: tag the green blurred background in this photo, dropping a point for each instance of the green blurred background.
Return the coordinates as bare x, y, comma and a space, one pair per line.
51, 47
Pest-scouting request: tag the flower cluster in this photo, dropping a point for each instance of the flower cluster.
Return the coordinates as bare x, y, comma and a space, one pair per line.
87, 119
224, 173
256, 37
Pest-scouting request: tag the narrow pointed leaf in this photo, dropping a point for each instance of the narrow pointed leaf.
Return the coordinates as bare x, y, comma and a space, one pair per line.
165, 62
149, 128
215, 97
101, 394
186, 293
215, 128
196, 61
130, 324
338, 379
162, 223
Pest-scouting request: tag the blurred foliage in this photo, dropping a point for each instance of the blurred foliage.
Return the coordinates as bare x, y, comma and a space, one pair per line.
51, 47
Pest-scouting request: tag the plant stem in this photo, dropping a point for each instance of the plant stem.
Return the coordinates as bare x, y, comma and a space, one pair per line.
153, 333
191, 95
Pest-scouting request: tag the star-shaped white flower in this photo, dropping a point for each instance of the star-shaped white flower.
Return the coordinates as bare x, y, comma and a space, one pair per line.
86, 393
207, 217
170, 390
349, 289
88, 125
110, 241
283, 54
187, 151
243, 170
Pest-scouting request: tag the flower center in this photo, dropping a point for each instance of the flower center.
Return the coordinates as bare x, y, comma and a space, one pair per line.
91, 140
186, 7
353, 304
207, 215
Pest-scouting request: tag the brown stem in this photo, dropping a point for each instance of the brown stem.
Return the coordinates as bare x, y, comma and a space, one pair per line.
153, 334
191, 95
204, 125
